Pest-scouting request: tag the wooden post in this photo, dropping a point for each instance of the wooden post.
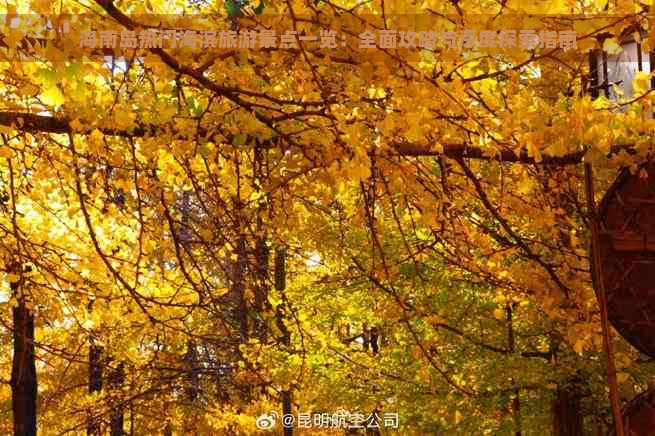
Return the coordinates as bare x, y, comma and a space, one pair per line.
600, 288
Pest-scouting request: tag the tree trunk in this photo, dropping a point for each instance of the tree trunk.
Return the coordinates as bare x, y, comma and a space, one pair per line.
23, 372
280, 285
95, 385
286, 410
511, 345
192, 388
116, 379
567, 419
261, 249
261, 280
239, 287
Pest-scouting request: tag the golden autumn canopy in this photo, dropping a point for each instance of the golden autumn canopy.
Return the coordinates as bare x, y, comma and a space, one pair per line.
368, 216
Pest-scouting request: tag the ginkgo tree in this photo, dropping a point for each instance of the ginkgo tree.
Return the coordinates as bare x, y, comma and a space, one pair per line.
429, 203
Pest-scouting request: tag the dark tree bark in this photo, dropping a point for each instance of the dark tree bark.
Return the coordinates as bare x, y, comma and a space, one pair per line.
23, 372
116, 415
567, 417
375, 336
511, 346
192, 388
280, 285
261, 270
286, 410
261, 289
95, 384
239, 288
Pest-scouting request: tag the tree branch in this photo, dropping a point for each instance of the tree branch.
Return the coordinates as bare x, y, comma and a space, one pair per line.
33, 123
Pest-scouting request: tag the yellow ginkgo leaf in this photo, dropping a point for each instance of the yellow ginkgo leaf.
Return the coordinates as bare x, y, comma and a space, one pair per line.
611, 46
52, 96
5, 151
76, 125
579, 346
641, 82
